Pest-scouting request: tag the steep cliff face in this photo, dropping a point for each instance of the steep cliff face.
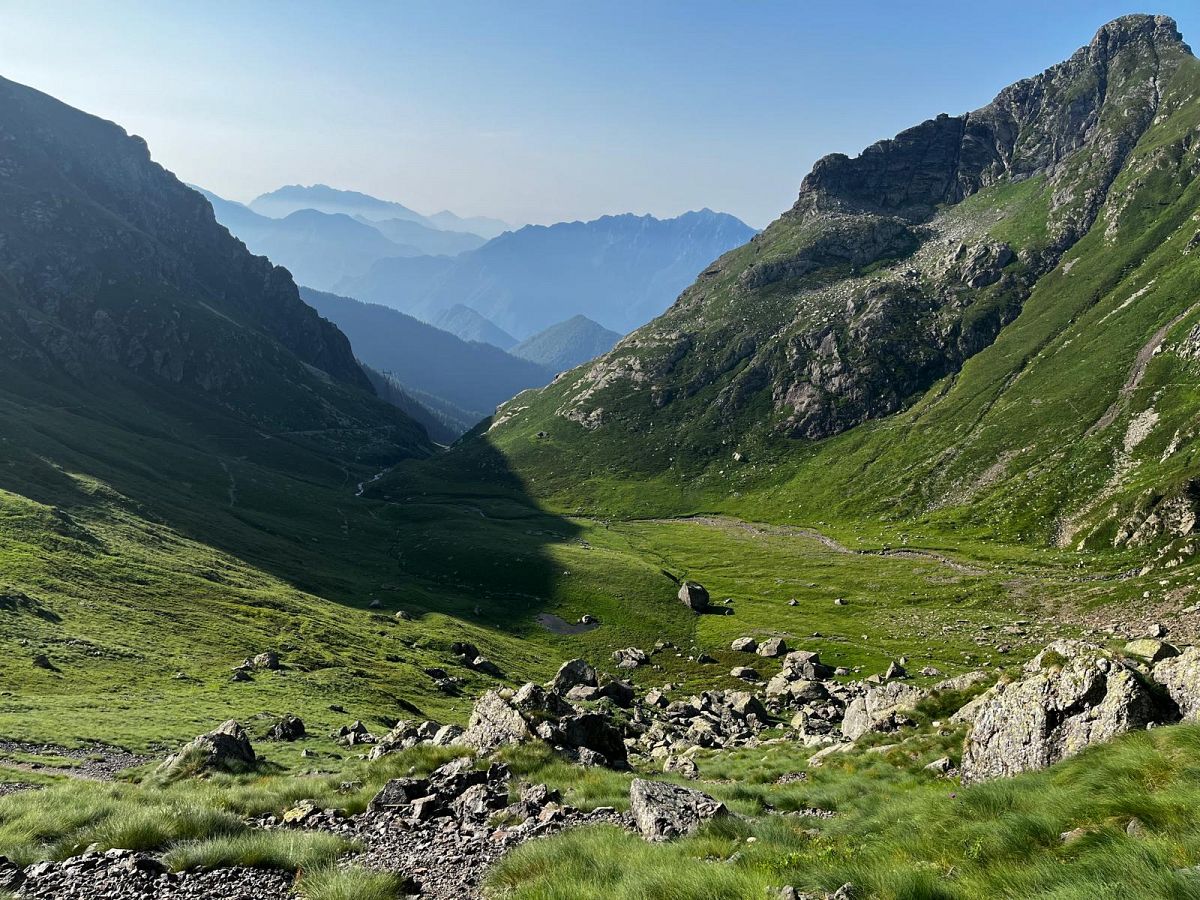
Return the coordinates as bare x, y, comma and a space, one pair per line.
988, 307
111, 268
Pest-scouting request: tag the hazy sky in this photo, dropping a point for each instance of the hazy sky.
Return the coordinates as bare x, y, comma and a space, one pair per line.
534, 111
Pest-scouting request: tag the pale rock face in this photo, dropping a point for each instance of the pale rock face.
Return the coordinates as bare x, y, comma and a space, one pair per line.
1180, 675
664, 811
1072, 695
880, 709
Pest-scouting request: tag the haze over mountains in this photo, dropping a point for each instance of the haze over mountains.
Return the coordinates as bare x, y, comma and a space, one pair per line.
619, 271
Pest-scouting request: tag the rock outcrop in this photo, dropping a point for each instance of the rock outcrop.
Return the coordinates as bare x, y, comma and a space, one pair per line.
663, 811
1071, 695
225, 747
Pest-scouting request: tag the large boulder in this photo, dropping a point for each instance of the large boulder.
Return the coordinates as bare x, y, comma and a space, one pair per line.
1180, 675
881, 708
1073, 694
225, 747
663, 811
573, 673
693, 596
494, 723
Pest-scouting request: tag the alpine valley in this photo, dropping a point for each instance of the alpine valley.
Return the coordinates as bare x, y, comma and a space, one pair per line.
867, 569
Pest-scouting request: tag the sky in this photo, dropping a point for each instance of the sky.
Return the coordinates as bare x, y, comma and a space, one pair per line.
531, 110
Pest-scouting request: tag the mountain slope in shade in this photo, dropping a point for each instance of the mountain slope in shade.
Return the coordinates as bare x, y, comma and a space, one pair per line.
619, 271
567, 344
114, 273
471, 326
989, 321
474, 377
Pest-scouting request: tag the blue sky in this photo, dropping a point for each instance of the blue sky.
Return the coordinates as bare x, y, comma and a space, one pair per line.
534, 111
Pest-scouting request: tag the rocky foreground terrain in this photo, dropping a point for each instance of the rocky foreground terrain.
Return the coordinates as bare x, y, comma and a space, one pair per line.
443, 831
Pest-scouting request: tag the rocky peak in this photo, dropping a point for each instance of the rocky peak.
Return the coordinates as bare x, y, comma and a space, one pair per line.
1158, 32
1029, 127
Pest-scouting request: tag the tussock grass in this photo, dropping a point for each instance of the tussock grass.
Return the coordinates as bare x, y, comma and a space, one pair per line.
900, 833
286, 849
351, 883
201, 822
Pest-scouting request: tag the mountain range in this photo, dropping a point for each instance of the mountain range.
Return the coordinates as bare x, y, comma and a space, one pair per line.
619, 271
292, 198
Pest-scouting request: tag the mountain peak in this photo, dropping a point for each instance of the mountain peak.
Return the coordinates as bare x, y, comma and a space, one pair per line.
1159, 31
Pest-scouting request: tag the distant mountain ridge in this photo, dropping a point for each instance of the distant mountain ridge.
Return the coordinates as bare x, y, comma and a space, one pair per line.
288, 199
567, 344
619, 271
471, 326
322, 248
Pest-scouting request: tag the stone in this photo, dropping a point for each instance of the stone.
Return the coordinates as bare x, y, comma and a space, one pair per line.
881, 708
681, 765
1150, 649
1180, 675
772, 647
744, 645
940, 766
1073, 694
630, 658
694, 596
494, 723
572, 673
225, 747
663, 811
288, 728
744, 672
895, 670
268, 660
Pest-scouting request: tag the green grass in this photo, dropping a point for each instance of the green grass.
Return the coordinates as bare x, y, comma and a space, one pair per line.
353, 883
285, 849
898, 832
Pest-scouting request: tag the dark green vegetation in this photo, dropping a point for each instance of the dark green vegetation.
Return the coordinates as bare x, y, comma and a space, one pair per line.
188, 476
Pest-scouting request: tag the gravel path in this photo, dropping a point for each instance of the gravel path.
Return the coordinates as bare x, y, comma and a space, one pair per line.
98, 762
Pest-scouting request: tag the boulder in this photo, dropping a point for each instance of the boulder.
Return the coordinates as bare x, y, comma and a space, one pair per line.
693, 596
629, 658
772, 647
1073, 694
1180, 675
1150, 649
880, 709
267, 660
573, 673
289, 728
225, 747
494, 723
595, 732
664, 811
744, 645
744, 672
